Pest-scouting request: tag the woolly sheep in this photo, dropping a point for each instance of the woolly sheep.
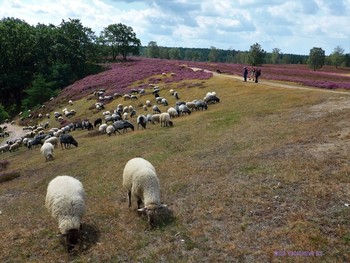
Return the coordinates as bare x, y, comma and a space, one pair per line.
172, 112
184, 109
110, 129
53, 140
14, 147
191, 105
148, 103
155, 118
102, 128
47, 151
141, 120
142, 184
165, 119
65, 201
123, 125
156, 109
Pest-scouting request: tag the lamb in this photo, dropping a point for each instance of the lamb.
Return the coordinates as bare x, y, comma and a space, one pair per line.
47, 151
65, 201
141, 182
67, 140
165, 119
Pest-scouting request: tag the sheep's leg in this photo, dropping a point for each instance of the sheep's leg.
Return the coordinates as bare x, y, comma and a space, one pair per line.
139, 202
129, 198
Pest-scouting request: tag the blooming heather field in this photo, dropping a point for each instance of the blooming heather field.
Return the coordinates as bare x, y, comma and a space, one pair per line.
328, 77
120, 77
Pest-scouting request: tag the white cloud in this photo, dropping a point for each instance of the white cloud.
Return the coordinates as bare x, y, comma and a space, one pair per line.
294, 26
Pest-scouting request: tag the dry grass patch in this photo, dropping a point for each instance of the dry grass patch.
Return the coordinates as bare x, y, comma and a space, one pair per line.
264, 170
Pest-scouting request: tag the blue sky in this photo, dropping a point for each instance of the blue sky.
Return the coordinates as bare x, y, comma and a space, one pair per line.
293, 26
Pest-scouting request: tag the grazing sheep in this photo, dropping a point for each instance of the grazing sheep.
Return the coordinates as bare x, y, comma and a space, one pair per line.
65, 201
191, 105
127, 97
53, 140
14, 147
67, 140
164, 102
148, 103
165, 119
110, 129
184, 109
144, 107
142, 184
103, 128
123, 125
200, 105
155, 118
141, 120
156, 109
97, 122
47, 151
172, 112
176, 95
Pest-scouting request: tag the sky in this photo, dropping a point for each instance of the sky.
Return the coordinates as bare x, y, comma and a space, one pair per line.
292, 26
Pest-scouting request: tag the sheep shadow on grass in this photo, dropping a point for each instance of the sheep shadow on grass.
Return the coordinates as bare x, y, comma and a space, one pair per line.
89, 236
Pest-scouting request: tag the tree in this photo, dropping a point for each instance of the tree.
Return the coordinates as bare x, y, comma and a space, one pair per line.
317, 58
3, 114
174, 53
38, 93
256, 55
121, 39
17, 60
213, 55
337, 57
153, 50
275, 56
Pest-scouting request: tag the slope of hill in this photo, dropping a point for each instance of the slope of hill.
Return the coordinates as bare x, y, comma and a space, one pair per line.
261, 176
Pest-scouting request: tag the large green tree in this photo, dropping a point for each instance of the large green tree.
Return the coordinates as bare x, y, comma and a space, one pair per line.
317, 58
337, 57
213, 55
121, 39
153, 50
256, 55
17, 59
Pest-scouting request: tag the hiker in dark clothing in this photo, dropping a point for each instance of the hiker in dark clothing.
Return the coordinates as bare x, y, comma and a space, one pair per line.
257, 74
245, 73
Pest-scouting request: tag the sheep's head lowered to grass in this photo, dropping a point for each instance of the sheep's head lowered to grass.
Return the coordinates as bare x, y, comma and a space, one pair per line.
154, 213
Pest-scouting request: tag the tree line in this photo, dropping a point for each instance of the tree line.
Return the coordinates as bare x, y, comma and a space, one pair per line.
37, 62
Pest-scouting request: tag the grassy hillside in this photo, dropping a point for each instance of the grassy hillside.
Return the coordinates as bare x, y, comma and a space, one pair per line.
261, 174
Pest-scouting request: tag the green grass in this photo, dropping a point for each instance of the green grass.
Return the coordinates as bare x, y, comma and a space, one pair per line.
256, 173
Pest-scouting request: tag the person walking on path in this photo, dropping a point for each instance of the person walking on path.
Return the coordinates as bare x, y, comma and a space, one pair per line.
252, 74
257, 74
245, 73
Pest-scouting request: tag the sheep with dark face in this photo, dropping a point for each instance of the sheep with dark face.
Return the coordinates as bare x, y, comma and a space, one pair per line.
142, 184
200, 105
65, 201
141, 120
165, 119
123, 125
67, 140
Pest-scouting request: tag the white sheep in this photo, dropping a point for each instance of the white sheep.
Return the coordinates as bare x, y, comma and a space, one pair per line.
165, 119
53, 140
102, 128
155, 118
14, 147
65, 201
47, 151
172, 112
142, 184
110, 129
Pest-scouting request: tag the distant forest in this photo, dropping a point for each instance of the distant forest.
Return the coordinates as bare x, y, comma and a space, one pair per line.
220, 55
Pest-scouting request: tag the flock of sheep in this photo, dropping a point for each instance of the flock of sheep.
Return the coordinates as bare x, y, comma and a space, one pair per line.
65, 198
